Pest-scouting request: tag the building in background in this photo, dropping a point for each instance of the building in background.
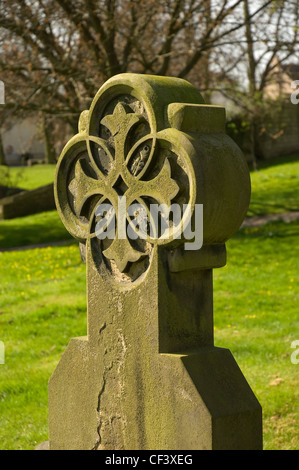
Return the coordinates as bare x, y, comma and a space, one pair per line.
21, 143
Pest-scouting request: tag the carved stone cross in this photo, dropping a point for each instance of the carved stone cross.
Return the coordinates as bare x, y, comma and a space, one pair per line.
147, 375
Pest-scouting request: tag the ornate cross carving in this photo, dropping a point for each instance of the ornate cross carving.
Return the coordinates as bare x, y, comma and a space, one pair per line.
120, 153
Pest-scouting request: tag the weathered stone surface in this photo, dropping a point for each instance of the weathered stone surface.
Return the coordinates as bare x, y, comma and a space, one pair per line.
147, 375
43, 446
28, 202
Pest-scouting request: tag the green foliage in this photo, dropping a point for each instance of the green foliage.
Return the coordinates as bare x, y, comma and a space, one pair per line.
238, 129
10, 177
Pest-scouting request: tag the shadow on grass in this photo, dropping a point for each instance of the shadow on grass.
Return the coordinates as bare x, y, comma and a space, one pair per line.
263, 164
48, 228
277, 229
32, 230
261, 208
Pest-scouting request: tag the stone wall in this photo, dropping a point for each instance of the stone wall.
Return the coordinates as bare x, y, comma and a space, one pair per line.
277, 134
280, 134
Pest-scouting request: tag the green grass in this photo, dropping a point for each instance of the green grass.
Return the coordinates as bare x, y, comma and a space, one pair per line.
27, 177
275, 186
275, 189
45, 227
43, 305
33, 229
256, 316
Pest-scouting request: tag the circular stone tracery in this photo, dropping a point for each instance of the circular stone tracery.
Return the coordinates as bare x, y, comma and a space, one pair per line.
118, 155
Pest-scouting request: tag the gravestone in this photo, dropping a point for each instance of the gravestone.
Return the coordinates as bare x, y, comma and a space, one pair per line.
8, 191
147, 374
27, 202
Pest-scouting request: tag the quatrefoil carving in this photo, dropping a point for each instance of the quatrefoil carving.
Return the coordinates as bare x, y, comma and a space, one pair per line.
117, 153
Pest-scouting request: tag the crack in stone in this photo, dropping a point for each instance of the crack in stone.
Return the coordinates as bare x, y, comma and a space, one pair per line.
102, 328
98, 443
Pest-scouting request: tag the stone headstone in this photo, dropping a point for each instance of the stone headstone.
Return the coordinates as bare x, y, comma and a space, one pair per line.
147, 375
9, 191
28, 202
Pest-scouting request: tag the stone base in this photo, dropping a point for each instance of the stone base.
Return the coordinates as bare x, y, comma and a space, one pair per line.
203, 402
28, 202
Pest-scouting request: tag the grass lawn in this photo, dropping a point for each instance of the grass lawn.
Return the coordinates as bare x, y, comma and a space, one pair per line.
33, 229
27, 177
43, 305
256, 300
275, 189
275, 186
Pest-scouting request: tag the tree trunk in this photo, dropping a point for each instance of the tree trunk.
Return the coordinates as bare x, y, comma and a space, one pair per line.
251, 74
206, 58
2, 154
50, 155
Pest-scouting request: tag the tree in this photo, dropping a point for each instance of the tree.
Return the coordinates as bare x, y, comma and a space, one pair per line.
2, 155
56, 53
269, 42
